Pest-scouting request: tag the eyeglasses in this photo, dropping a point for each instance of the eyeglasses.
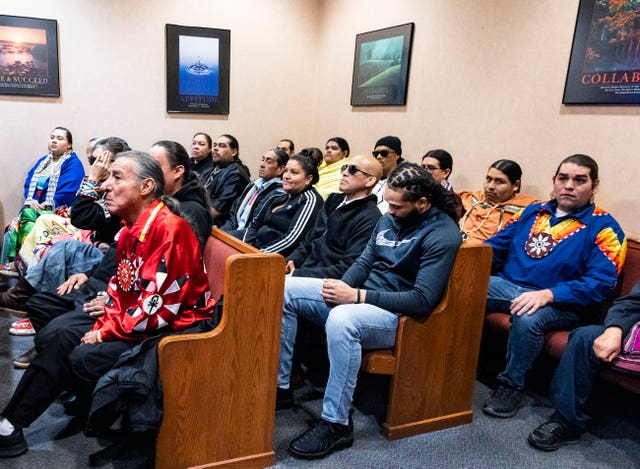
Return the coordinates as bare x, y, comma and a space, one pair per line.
382, 153
430, 168
353, 169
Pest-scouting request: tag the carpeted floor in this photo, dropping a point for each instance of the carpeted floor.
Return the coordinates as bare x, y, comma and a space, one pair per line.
613, 442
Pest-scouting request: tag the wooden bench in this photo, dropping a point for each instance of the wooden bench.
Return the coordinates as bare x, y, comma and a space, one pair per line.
433, 363
219, 387
497, 324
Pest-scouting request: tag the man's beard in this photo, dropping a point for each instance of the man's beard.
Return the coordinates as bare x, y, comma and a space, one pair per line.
412, 219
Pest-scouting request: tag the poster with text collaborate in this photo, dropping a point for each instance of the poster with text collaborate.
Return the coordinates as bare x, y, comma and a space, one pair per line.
605, 59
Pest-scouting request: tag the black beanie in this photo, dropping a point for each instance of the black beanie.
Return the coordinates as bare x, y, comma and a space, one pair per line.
391, 142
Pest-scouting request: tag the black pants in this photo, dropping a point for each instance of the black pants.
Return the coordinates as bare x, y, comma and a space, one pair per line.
61, 364
44, 306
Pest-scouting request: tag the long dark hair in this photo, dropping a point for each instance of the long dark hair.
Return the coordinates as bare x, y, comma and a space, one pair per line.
511, 169
415, 182
233, 144
177, 156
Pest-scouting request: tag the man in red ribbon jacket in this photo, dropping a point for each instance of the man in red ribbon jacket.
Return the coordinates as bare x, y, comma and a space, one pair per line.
160, 285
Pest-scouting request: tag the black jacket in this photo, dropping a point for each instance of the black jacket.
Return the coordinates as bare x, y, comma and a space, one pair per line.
625, 311
225, 185
202, 168
337, 238
194, 208
231, 225
133, 385
284, 229
90, 214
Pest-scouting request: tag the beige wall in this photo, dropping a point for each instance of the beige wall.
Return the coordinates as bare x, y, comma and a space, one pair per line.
486, 82
112, 70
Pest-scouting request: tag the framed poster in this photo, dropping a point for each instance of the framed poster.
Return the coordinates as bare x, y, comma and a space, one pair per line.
605, 58
197, 69
29, 56
381, 66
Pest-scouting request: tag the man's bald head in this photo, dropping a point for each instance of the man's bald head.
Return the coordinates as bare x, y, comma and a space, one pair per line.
368, 164
360, 176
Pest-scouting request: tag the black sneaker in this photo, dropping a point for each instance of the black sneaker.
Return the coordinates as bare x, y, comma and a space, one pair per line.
322, 439
13, 445
284, 398
553, 434
504, 402
24, 360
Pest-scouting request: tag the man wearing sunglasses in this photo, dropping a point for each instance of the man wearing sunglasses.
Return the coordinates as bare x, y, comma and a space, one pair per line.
340, 233
343, 226
388, 151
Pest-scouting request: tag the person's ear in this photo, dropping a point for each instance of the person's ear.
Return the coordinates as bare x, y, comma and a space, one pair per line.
371, 182
422, 204
148, 186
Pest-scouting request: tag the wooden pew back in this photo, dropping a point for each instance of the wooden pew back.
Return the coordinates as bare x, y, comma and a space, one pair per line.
433, 363
219, 387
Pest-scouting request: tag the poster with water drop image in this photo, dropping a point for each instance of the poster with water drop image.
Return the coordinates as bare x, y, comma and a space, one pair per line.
197, 70
198, 65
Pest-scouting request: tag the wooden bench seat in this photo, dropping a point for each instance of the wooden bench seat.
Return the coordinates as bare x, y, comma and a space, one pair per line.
219, 387
433, 363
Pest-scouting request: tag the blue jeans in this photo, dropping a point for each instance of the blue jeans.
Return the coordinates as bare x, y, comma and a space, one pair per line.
349, 329
526, 334
64, 258
575, 374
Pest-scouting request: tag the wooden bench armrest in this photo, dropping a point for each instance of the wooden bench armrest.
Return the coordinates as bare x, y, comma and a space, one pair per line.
219, 386
433, 363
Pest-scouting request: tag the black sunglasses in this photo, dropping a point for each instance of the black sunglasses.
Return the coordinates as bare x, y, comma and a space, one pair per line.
353, 169
382, 153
